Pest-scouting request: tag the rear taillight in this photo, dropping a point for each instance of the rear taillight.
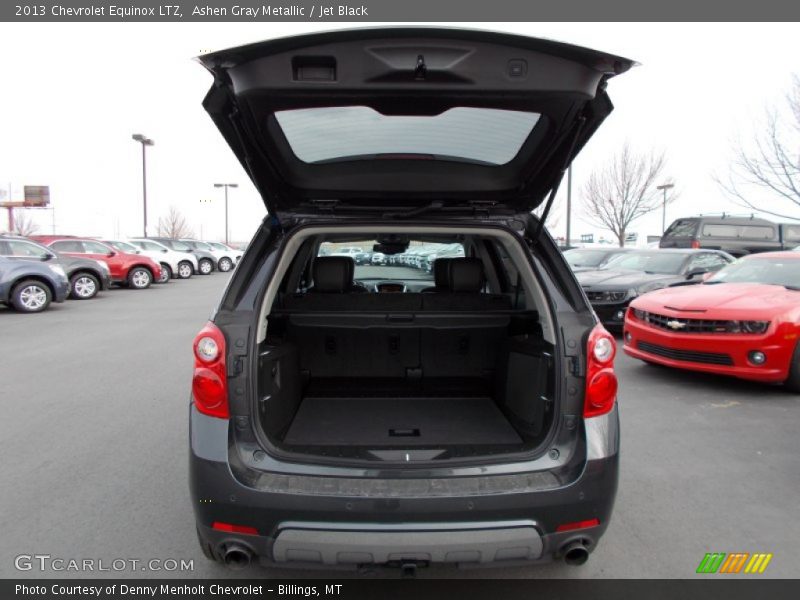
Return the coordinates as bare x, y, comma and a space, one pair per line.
578, 525
234, 528
695, 244
209, 383
601, 382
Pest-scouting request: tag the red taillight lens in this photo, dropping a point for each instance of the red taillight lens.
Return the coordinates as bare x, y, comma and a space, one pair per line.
601, 382
234, 528
210, 383
578, 525
695, 244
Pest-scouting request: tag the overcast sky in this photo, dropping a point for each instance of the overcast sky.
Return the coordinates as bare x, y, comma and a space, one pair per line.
72, 95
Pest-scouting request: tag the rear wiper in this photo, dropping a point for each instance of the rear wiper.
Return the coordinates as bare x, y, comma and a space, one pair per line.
435, 205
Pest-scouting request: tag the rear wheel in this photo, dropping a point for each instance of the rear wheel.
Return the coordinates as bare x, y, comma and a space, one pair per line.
83, 286
185, 270
31, 296
225, 264
166, 273
206, 266
139, 278
793, 382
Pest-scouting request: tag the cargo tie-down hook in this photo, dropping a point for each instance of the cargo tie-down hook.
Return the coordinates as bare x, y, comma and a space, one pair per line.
420, 70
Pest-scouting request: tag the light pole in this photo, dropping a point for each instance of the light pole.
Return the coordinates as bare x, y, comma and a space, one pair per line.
664, 188
226, 186
144, 141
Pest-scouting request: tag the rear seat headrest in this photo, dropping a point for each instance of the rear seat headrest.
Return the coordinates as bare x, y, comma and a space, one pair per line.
441, 272
465, 275
332, 273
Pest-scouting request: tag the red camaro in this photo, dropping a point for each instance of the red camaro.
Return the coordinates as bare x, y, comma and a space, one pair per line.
744, 321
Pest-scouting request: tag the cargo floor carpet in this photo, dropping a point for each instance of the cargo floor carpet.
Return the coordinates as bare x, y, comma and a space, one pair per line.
405, 422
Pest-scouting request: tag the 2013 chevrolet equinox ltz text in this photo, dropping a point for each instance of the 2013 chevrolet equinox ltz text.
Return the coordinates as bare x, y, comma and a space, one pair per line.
351, 415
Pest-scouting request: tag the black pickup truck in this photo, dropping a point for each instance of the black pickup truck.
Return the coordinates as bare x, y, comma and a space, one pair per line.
738, 236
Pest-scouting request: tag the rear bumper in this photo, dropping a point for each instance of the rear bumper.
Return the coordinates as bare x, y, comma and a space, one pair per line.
689, 351
307, 520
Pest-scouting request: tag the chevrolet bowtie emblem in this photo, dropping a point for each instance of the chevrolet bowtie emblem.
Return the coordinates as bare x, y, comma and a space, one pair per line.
675, 325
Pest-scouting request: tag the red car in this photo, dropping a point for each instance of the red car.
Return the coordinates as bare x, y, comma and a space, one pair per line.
743, 321
134, 270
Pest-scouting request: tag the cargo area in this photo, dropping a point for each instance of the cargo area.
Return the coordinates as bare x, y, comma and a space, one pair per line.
402, 376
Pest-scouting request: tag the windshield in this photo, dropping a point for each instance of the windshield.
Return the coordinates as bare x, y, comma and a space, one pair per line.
416, 263
760, 270
662, 263
202, 246
125, 247
585, 258
180, 246
217, 245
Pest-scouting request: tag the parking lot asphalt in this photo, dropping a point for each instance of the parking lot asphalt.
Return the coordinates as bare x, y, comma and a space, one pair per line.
93, 439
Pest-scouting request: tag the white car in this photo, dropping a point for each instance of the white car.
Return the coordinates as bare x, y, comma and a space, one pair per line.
179, 264
350, 251
227, 252
226, 257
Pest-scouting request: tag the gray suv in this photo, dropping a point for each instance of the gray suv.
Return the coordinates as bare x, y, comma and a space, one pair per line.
346, 415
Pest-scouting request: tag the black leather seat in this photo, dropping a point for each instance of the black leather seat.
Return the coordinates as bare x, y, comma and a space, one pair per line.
465, 283
465, 275
334, 275
441, 276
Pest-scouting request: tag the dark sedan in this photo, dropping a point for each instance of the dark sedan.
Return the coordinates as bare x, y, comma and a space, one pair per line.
31, 286
589, 259
86, 276
611, 288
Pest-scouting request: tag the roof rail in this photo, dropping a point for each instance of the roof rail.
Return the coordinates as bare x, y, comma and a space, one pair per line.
725, 215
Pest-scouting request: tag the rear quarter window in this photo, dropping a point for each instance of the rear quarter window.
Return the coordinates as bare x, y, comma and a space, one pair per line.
754, 232
724, 231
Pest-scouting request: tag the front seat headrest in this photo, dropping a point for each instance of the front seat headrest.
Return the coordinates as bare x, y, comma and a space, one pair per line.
466, 275
332, 273
441, 272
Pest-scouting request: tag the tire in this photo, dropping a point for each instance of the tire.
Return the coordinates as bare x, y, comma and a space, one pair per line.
31, 296
793, 382
139, 278
83, 286
205, 266
185, 270
225, 264
166, 273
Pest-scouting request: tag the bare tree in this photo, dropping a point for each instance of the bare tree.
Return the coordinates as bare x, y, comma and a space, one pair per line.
625, 190
771, 162
174, 225
23, 224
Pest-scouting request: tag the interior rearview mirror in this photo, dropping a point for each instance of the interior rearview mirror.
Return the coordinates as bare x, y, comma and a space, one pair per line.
390, 248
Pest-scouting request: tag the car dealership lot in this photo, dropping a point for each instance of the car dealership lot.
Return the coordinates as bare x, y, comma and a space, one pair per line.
94, 450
